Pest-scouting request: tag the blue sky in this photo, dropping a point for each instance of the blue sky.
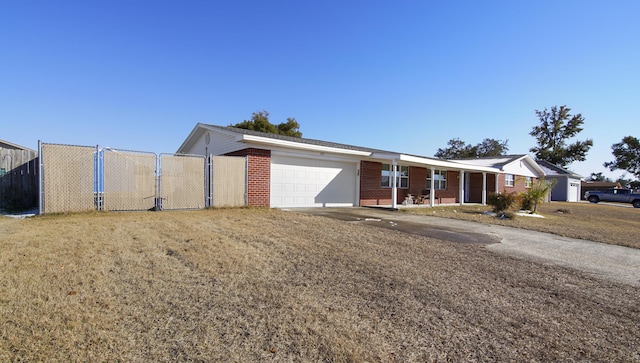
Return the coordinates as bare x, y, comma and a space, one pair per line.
405, 76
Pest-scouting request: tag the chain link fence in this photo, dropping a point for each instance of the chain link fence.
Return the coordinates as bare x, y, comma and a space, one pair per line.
82, 178
67, 178
229, 181
129, 179
182, 181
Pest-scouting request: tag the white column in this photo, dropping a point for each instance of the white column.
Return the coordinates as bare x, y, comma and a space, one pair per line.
484, 188
461, 188
394, 186
432, 191
497, 183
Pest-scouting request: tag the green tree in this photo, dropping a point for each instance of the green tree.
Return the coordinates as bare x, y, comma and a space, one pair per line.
260, 122
458, 149
628, 183
556, 127
598, 177
627, 154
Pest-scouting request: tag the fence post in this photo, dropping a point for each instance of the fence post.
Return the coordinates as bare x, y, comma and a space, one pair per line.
40, 180
210, 180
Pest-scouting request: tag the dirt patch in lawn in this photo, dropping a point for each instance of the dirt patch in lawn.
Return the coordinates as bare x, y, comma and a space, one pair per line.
618, 225
267, 285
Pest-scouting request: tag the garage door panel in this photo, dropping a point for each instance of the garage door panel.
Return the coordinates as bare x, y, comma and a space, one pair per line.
299, 182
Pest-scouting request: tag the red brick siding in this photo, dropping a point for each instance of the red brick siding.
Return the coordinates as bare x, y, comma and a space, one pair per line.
259, 175
475, 188
371, 192
449, 195
417, 180
518, 187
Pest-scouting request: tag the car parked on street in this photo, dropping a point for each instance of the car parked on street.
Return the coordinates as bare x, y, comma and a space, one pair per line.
620, 195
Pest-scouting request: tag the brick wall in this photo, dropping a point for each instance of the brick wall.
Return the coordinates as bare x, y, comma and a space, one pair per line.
449, 195
259, 175
518, 187
371, 192
417, 180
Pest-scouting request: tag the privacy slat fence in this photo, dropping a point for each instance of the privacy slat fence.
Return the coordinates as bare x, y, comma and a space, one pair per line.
229, 177
129, 180
81, 178
182, 182
67, 178
18, 179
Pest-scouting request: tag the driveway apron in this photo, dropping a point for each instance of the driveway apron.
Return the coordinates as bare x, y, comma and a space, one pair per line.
617, 263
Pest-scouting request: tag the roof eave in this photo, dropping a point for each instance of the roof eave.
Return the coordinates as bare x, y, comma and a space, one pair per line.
252, 139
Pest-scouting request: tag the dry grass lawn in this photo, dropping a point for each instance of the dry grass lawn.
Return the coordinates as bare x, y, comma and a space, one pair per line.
247, 285
594, 222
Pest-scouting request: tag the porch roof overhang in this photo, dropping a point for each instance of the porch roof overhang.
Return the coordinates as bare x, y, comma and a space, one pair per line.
430, 162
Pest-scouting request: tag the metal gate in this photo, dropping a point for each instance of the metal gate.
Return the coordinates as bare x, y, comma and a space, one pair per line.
181, 182
228, 181
127, 180
82, 178
66, 178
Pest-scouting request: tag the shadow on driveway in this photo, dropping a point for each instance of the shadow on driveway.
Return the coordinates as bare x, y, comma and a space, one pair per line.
617, 263
399, 222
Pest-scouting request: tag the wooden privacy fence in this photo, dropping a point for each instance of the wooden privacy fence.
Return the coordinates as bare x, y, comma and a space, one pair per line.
81, 178
18, 179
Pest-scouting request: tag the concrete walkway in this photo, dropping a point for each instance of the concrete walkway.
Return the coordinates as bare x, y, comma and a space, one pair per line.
620, 264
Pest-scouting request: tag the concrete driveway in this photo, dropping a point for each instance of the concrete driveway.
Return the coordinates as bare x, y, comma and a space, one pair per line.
620, 264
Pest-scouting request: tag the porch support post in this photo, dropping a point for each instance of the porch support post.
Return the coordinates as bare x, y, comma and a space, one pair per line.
461, 188
484, 188
394, 186
432, 193
497, 183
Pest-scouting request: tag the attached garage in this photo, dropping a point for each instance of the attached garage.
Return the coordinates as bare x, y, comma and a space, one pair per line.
303, 182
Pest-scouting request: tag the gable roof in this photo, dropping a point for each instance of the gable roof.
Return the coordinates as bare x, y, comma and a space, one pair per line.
269, 140
294, 139
552, 170
493, 161
503, 161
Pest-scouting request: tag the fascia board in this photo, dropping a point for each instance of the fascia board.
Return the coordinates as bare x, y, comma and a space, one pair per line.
297, 145
193, 135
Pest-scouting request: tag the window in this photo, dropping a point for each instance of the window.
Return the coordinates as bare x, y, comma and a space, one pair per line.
402, 177
440, 179
508, 180
528, 181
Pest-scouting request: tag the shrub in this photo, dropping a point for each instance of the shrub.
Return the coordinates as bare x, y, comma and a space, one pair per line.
501, 201
535, 195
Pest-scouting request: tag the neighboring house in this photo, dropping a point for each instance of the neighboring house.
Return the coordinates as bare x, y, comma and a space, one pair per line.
11, 146
566, 186
297, 172
588, 186
18, 176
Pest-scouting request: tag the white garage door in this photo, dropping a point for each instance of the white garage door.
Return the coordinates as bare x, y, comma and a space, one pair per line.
299, 182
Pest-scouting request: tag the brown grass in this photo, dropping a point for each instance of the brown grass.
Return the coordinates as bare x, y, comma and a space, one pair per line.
264, 285
594, 222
